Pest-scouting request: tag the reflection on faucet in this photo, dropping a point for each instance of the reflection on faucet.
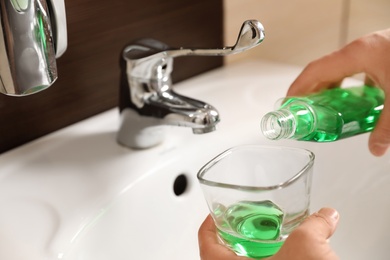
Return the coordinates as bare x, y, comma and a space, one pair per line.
28, 44
147, 99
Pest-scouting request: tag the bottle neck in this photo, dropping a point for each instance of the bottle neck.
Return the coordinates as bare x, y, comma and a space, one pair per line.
279, 124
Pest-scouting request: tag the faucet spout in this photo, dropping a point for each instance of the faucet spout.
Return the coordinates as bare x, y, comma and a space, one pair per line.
188, 112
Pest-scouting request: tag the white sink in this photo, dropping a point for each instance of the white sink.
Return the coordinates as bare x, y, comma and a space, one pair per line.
77, 195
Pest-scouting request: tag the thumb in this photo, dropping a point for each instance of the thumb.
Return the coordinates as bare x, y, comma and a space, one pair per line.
321, 224
380, 137
309, 240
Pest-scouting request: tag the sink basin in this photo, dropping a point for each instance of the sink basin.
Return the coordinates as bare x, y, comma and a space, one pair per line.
78, 195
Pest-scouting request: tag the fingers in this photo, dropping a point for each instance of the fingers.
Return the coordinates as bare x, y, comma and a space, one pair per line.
209, 246
331, 69
326, 72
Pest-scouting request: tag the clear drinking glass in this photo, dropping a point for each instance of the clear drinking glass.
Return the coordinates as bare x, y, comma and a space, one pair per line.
257, 195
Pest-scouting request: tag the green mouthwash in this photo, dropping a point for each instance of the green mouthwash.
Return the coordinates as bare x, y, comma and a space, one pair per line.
253, 228
326, 116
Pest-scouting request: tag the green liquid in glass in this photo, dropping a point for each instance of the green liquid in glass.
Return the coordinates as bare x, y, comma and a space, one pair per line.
253, 228
336, 113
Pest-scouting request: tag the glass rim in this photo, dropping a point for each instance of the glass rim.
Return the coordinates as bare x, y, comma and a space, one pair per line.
281, 185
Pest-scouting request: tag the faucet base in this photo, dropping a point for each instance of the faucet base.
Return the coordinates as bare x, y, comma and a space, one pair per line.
139, 132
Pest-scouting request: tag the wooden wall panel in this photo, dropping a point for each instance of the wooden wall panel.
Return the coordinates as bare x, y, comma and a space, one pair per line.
89, 74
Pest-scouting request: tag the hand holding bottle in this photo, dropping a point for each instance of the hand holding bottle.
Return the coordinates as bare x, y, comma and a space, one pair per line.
325, 116
368, 54
309, 241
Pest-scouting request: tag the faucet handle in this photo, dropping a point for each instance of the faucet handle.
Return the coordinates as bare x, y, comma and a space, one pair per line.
251, 34
151, 59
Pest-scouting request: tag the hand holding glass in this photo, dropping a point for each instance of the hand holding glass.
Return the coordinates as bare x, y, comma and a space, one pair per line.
257, 195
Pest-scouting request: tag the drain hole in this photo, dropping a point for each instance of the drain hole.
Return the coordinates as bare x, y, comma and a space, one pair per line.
180, 185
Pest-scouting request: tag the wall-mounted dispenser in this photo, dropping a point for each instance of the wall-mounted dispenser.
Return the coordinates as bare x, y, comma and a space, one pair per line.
32, 35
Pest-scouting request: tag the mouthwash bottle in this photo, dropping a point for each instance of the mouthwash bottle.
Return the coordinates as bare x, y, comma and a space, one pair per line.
325, 116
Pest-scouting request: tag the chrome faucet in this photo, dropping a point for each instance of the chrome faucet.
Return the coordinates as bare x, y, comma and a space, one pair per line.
32, 35
147, 99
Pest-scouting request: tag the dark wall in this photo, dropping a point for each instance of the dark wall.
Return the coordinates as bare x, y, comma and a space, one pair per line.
89, 74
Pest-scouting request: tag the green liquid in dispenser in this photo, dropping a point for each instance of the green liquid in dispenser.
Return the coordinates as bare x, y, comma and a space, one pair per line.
326, 116
253, 228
